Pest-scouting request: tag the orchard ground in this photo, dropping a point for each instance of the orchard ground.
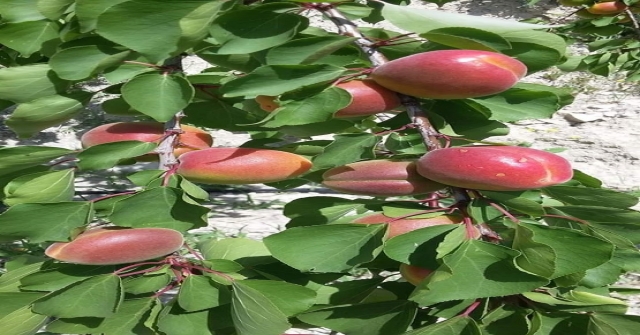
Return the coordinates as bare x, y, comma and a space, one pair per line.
599, 132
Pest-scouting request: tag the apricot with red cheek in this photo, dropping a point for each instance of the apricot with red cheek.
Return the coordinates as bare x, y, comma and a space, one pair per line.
397, 227
241, 166
115, 245
450, 74
414, 274
380, 178
191, 139
609, 7
368, 98
495, 168
267, 103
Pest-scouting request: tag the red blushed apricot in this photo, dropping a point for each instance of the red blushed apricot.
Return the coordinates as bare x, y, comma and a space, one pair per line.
379, 178
192, 139
402, 226
414, 274
610, 7
368, 98
241, 166
450, 74
495, 168
115, 245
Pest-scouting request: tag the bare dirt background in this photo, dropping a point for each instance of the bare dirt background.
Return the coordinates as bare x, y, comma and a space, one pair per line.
600, 133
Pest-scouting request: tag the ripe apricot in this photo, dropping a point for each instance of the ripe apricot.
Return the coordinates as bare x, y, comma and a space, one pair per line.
402, 226
495, 168
367, 98
192, 139
116, 245
450, 74
381, 178
610, 7
414, 274
240, 166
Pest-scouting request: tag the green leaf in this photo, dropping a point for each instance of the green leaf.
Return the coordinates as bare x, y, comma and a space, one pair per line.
88, 11
277, 79
350, 245
12, 301
173, 320
308, 50
155, 28
128, 320
613, 324
467, 38
482, 211
518, 201
107, 155
22, 322
220, 115
588, 196
518, 104
28, 37
42, 113
623, 222
54, 9
316, 108
200, 292
157, 95
506, 319
459, 325
97, 296
347, 292
380, 318
30, 82
418, 247
24, 266
42, 187
247, 31
475, 270
420, 21
160, 207
321, 210
84, 61
346, 148
62, 218
537, 49
561, 323
254, 314
244, 251
56, 276
148, 282
290, 299
20, 10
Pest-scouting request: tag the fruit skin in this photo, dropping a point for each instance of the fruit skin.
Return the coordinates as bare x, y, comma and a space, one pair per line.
402, 226
495, 168
611, 7
450, 74
116, 245
379, 178
414, 274
193, 138
368, 98
240, 166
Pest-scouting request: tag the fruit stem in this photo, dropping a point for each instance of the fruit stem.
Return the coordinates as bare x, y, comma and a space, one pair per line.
471, 308
112, 195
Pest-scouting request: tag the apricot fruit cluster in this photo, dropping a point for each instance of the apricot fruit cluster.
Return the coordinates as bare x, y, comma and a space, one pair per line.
380, 178
240, 166
367, 98
116, 245
450, 74
191, 139
495, 168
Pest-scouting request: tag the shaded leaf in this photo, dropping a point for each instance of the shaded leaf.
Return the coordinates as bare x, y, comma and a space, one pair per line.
159, 96
42, 187
30, 82
62, 219
27, 37
255, 314
107, 155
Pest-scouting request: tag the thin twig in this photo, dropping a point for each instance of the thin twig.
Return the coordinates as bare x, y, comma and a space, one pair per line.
634, 22
171, 128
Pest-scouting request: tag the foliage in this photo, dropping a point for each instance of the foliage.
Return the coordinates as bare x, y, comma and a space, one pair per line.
530, 262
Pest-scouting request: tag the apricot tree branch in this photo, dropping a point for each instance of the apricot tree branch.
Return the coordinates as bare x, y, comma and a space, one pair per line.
418, 116
634, 22
172, 128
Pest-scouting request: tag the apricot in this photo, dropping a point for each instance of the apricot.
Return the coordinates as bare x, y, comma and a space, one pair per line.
192, 138
367, 98
380, 178
402, 226
414, 274
450, 74
117, 245
241, 166
610, 7
495, 168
